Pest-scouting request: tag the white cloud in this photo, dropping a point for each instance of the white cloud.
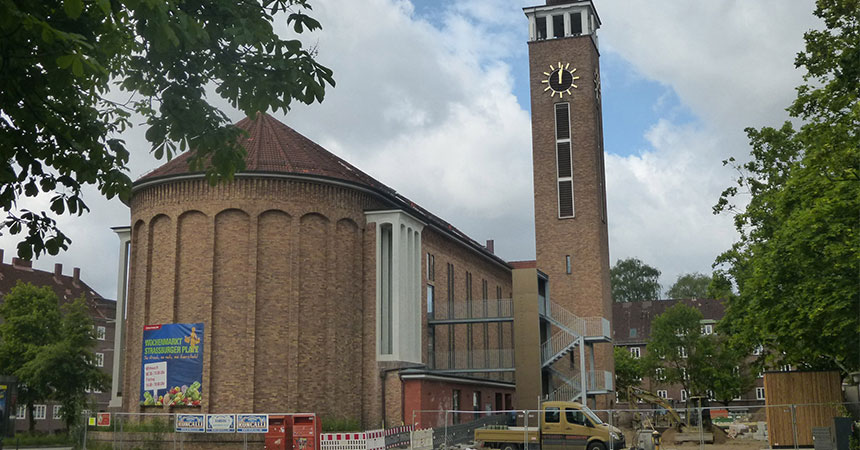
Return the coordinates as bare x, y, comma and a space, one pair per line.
429, 109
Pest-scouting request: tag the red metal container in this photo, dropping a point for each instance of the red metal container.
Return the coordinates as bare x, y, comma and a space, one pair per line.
280, 435
306, 432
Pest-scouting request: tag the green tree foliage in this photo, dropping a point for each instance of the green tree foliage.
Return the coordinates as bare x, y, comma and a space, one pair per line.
49, 348
690, 285
679, 353
727, 374
720, 286
29, 317
61, 117
797, 261
634, 281
628, 371
676, 348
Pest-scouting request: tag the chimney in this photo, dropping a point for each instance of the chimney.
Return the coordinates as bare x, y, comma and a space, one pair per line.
491, 246
58, 270
22, 264
76, 275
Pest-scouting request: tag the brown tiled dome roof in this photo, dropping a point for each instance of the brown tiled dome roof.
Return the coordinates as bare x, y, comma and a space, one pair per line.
273, 147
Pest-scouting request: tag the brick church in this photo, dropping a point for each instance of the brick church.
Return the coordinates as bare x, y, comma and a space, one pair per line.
322, 289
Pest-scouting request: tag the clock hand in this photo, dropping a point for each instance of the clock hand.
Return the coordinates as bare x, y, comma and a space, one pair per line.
559, 76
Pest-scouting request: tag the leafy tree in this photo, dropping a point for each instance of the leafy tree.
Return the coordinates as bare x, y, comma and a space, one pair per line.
690, 285
59, 117
67, 365
29, 318
634, 281
720, 286
628, 371
49, 349
797, 261
727, 372
677, 347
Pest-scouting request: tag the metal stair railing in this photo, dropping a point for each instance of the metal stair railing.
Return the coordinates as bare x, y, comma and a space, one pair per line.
565, 319
557, 346
569, 390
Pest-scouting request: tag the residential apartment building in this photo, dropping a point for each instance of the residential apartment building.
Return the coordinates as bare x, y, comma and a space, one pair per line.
102, 312
631, 330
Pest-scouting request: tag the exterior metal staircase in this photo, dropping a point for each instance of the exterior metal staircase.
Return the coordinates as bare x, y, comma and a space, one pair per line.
571, 331
568, 390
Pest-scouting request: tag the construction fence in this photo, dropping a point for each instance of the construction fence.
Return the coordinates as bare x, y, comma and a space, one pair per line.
822, 426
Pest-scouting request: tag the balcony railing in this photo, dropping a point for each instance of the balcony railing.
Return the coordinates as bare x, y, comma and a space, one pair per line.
589, 327
473, 309
475, 360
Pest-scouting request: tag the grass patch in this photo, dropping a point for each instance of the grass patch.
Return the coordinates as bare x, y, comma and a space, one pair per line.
25, 438
340, 425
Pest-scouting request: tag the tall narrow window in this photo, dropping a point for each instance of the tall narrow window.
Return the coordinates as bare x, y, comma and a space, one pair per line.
485, 294
568, 268
386, 322
558, 26
431, 300
576, 23
431, 267
540, 23
451, 339
564, 160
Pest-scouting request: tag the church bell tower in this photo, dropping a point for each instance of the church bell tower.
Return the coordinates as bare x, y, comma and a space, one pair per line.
569, 182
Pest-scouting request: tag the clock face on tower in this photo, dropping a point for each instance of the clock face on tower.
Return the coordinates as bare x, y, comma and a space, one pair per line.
560, 80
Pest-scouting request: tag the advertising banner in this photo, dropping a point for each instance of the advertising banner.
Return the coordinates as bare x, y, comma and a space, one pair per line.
190, 423
172, 365
252, 423
220, 423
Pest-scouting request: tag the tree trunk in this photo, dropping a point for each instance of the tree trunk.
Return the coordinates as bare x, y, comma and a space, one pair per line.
32, 420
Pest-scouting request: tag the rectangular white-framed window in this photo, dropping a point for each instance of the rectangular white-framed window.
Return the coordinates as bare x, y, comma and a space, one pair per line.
682, 352
760, 374
660, 374
711, 395
40, 411
683, 373
662, 393
635, 352
21, 413
100, 359
100, 333
739, 397
708, 329
786, 368
683, 395
758, 350
58, 409
759, 393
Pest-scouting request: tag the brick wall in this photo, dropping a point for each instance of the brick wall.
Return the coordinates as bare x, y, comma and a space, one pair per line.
586, 291
275, 269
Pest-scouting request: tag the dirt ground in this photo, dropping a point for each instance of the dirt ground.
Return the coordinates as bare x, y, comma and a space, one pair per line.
721, 443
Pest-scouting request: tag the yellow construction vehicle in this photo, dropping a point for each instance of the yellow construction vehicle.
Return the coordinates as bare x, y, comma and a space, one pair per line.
691, 430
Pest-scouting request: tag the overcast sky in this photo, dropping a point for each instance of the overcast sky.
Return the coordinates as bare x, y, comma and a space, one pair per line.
432, 100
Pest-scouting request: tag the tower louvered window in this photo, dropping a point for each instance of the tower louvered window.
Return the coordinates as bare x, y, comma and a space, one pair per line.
564, 160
